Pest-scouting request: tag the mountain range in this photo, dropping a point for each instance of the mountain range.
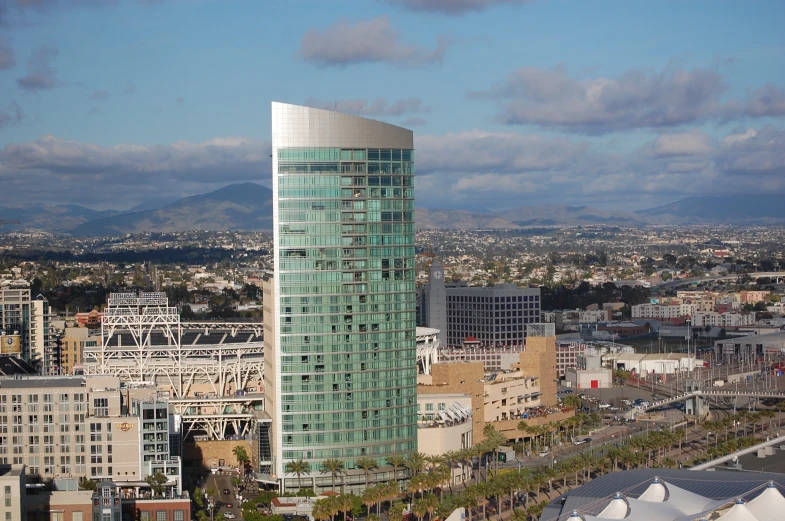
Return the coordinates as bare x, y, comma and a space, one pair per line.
249, 206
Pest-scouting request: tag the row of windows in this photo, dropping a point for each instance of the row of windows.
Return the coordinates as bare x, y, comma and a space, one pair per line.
345, 154
513, 298
44, 397
350, 299
380, 450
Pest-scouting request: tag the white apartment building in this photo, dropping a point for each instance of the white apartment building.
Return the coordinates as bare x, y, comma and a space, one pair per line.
713, 318
444, 423
592, 317
663, 311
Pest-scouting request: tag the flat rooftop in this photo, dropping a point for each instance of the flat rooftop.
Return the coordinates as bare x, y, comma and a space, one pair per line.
49, 382
769, 338
8, 471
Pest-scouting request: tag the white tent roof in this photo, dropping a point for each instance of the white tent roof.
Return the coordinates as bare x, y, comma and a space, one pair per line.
739, 512
616, 509
652, 511
769, 505
686, 501
665, 502
656, 492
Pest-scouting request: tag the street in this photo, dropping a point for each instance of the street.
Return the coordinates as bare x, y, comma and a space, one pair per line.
221, 482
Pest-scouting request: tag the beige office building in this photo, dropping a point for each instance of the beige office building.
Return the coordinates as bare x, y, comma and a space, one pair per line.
69, 427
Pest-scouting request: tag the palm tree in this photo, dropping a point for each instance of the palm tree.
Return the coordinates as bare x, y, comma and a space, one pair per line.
320, 510
395, 513
450, 458
242, 456
494, 439
396, 461
433, 461
430, 502
535, 511
525, 428
370, 497
419, 508
389, 491
415, 462
368, 465
345, 503
469, 500
298, 467
767, 413
466, 457
417, 483
334, 466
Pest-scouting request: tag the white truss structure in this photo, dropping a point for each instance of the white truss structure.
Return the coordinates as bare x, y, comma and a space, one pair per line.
427, 348
143, 341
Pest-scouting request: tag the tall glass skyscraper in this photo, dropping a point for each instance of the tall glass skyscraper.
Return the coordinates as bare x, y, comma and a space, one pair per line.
340, 357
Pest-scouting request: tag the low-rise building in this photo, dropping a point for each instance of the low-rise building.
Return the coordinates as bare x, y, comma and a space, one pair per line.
713, 318
494, 359
110, 502
444, 423
656, 363
72, 344
576, 378
532, 385
13, 493
662, 311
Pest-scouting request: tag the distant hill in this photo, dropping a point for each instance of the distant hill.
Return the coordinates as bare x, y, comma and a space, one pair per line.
51, 218
245, 206
153, 204
430, 219
248, 206
554, 214
730, 209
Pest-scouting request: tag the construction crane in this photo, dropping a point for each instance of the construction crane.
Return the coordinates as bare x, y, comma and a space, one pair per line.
11, 221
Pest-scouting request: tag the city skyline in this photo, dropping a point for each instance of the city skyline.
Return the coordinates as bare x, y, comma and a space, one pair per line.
108, 104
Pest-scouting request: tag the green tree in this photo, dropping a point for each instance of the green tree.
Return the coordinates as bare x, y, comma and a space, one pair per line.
334, 466
298, 467
415, 462
242, 457
87, 484
396, 461
368, 465
157, 483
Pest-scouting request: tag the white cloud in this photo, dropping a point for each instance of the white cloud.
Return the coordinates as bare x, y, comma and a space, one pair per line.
378, 107
682, 144
637, 99
454, 7
87, 173
367, 41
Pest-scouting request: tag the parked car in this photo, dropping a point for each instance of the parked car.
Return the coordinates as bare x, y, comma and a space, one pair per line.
543, 453
604, 406
579, 442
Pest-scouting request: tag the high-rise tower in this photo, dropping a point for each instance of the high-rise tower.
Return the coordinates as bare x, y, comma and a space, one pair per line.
340, 345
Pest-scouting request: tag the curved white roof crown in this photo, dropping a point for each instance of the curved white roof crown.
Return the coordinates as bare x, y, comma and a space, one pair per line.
299, 126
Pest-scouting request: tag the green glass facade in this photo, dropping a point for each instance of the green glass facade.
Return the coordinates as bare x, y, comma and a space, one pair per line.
346, 283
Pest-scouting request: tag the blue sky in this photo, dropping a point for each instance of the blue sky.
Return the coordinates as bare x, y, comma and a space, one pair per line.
614, 104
